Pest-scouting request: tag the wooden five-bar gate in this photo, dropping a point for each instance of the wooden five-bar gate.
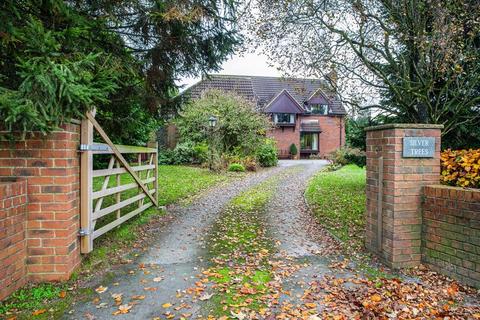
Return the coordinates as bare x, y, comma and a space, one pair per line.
112, 195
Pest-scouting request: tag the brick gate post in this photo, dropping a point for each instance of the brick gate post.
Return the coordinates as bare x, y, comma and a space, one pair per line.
401, 159
50, 165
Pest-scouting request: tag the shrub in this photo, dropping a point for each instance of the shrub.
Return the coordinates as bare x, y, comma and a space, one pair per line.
461, 167
356, 156
347, 155
293, 149
166, 156
240, 128
184, 153
248, 162
200, 152
236, 167
267, 154
332, 167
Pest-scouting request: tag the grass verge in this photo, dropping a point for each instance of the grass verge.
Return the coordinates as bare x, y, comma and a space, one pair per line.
337, 199
239, 250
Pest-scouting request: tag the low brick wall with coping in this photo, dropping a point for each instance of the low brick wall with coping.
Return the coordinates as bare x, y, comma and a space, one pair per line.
13, 243
451, 232
50, 167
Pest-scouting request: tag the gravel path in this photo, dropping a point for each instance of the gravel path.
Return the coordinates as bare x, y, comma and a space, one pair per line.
169, 267
288, 220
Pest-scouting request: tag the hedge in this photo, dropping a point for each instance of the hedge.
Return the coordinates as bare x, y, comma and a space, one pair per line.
461, 168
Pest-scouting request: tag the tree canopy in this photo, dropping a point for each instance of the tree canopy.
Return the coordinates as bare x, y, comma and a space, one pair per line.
61, 58
240, 128
411, 60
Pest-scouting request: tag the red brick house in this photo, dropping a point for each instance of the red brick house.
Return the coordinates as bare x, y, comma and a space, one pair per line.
305, 112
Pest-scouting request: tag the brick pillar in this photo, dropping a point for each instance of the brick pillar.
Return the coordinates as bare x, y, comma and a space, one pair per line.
401, 192
51, 167
13, 247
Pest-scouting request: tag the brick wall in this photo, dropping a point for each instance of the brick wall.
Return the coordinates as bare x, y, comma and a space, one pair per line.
451, 232
333, 133
13, 249
402, 191
285, 136
50, 165
330, 139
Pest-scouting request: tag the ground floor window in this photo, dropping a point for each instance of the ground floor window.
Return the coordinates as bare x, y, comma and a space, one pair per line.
309, 141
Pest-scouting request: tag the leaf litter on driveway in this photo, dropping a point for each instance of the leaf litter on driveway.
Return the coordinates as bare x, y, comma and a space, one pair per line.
264, 257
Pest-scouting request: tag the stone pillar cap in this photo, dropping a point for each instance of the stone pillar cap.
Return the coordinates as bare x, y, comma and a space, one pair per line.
404, 126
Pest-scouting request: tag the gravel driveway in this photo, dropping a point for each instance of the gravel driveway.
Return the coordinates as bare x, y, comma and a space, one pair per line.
169, 266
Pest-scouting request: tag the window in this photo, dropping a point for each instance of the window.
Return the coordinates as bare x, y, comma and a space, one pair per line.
319, 109
309, 141
284, 118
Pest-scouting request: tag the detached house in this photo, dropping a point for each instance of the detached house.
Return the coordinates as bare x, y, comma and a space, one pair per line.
306, 112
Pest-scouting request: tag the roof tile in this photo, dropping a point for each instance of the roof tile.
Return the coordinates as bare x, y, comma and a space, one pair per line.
262, 90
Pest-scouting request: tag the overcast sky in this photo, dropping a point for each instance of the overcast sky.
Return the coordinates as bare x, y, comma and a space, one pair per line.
249, 64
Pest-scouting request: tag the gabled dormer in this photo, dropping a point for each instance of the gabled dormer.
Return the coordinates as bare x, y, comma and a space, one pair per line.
284, 109
318, 103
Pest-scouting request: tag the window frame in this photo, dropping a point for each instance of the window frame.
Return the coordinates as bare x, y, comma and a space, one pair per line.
291, 118
314, 138
325, 105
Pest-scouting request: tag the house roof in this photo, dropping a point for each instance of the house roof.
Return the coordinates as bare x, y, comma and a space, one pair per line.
283, 103
262, 90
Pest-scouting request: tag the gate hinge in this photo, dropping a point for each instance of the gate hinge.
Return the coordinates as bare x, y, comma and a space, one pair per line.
83, 232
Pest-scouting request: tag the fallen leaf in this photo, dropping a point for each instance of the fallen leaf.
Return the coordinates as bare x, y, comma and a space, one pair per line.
453, 289
166, 305
117, 296
138, 297
376, 298
157, 279
122, 309
89, 316
38, 312
150, 289
62, 294
101, 289
239, 316
206, 296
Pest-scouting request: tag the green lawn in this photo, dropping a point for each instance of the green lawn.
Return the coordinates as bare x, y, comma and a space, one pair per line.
338, 201
180, 182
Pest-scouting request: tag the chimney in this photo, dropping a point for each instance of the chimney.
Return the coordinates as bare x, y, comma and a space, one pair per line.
332, 78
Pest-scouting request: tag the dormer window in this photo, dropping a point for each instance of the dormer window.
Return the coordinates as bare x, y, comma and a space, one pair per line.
284, 118
319, 109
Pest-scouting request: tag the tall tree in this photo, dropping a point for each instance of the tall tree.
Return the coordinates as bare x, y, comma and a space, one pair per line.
60, 58
415, 60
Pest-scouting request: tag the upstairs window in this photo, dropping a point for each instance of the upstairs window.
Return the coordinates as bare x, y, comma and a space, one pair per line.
319, 109
284, 118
